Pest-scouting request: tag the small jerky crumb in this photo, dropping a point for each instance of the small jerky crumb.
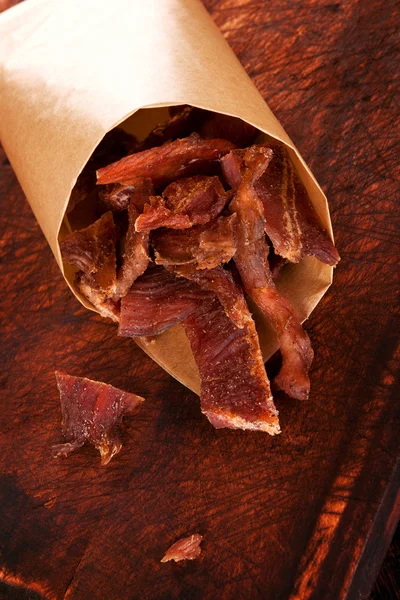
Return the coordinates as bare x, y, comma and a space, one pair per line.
92, 412
187, 548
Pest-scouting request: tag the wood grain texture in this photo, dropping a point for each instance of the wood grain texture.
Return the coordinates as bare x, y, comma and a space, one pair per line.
308, 514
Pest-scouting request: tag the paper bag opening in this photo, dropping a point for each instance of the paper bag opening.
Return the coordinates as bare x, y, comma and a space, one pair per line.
303, 284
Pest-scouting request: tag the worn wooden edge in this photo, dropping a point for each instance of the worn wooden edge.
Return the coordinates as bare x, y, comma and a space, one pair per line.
378, 541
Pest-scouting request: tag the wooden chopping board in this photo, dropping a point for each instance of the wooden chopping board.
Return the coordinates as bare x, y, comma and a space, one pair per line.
308, 514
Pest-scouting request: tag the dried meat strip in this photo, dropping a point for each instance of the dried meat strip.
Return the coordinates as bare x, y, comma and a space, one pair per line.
135, 255
106, 307
117, 197
156, 214
291, 222
164, 163
235, 390
206, 246
252, 262
184, 203
93, 251
221, 282
157, 301
187, 548
232, 165
92, 412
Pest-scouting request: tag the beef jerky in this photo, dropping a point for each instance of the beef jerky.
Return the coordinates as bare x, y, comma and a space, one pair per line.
92, 250
92, 412
106, 307
117, 197
157, 301
184, 203
232, 165
227, 290
156, 214
206, 246
291, 222
135, 255
187, 548
217, 243
252, 262
235, 390
164, 163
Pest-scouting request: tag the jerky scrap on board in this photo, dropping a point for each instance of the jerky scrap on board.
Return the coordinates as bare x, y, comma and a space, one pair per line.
92, 412
187, 548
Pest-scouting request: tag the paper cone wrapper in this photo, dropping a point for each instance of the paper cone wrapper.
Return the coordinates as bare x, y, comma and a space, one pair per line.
71, 71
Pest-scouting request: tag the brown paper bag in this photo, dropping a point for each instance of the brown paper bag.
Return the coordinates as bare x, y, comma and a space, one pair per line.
71, 71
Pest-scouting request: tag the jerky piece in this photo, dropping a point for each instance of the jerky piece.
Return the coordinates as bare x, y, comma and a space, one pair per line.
235, 130
206, 246
105, 306
187, 548
217, 243
227, 290
157, 301
291, 222
235, 390
92, 250
92, 411
232, 167
135, 255
156, 214
164, 163
116, 197
252, 262
184, 203
115, 144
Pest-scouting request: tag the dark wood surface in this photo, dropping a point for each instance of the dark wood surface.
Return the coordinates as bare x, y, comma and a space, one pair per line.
309, 514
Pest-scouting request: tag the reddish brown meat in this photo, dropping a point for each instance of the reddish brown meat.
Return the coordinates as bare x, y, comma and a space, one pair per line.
291, 222
235, 390
217, 243
187, 548
92, 250
252, 262
164, 163
206, 246
105, 306
186, 202
221, 282
92, 411
116, 197
157, 301
135, 255
156, 214
232, 167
